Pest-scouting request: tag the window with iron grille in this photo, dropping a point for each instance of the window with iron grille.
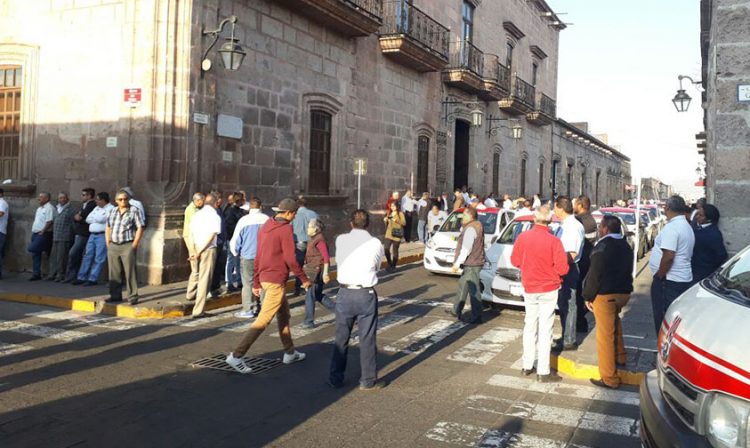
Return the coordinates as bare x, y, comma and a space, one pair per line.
495, 172
423, 159
10, 120
320, 151
540, 190
522, 189
509, 55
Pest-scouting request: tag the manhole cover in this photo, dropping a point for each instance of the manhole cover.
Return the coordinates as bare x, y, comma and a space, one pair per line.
217, 362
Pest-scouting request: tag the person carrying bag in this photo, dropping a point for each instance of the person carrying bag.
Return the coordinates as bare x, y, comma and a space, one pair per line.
394, 231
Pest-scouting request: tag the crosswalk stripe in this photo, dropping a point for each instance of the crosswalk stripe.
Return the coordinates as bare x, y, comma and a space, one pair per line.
431, 303
476, 436
486, 347
190, 322
424, 338
9, 349
566, 389
574, 418
42, 331
111, 323
385, 323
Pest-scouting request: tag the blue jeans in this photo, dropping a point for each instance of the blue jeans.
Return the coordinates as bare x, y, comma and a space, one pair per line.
233, 269
361, 306
300, 249
315, 294
2, 250
566, 303
93, 259
39, 244
422, 230
663, 293
75, 256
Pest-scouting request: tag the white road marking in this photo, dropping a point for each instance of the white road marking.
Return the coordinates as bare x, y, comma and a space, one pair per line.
424, 338
92, 320
566, 389
482, 349
385, 323
476, 436
42, 331
430, 303
574, 418
9, 349
299, 331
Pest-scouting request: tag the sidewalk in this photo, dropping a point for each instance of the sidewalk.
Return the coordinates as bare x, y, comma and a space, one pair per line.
156, 302
638, 329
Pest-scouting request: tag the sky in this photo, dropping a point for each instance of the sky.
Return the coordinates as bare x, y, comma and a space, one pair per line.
618, 68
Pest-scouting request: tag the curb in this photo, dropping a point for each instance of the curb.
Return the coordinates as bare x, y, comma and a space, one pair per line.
590, 372
140, 312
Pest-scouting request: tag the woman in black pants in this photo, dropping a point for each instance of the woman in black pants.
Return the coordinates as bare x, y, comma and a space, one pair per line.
394, 231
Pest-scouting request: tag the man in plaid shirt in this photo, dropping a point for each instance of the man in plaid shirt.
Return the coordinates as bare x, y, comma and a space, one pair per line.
123, 234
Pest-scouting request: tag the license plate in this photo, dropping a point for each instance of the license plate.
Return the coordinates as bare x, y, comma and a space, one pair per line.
516, 290
450, 258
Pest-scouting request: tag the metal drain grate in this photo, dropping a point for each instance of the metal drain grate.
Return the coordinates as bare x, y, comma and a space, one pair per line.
217, 362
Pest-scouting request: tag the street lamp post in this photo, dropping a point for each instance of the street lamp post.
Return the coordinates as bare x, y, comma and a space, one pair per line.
516, 130
231, 52
681, 100
476, 114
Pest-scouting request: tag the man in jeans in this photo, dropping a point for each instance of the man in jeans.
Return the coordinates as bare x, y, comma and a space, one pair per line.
244, 244
123, 235
81, 232
470, 254
275, 258
542, 260
41, 234
572, 235
359, 256
670, 259
233, 213
423, 208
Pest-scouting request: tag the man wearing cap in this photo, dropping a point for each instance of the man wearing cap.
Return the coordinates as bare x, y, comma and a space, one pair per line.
670, 259
274, 259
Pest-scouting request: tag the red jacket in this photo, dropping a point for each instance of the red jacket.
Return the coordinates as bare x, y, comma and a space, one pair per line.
541, 258
275, 256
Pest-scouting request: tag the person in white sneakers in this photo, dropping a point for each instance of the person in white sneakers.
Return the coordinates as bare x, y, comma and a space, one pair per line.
274, 259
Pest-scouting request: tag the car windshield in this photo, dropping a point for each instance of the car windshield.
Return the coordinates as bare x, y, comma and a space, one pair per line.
510, 234
629, 218
652, 213
453, 223
736, 275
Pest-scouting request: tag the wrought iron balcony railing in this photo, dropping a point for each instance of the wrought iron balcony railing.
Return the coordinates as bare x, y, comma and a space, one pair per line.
523, 91
465, 56
503, 76
400, 17
373, 8
547, 105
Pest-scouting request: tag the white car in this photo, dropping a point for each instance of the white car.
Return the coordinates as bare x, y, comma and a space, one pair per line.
500, 280
699, 394
440, 250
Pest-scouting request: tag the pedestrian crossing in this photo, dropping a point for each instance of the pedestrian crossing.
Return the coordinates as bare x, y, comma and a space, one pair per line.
424, 338
542, 416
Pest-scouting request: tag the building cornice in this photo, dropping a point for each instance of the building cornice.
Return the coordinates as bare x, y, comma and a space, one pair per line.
595, 141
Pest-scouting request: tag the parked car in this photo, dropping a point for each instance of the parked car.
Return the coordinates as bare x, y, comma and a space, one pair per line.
628, 216
439, 253
654, 221
500, 280
699, 394
629, 237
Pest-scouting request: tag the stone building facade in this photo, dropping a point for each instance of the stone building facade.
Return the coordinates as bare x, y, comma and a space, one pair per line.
323, 83
654, 189
725, 49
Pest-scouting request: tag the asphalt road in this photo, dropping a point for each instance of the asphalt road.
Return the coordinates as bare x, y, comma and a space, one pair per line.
68, 379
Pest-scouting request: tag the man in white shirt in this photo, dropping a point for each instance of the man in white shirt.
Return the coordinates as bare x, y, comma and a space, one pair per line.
572, 236
423, 208
205, 226
435, 218
670, 259
41, 234
95, 254
358, 257
507, 202
490, 201
4, 213
526, 210
408, 206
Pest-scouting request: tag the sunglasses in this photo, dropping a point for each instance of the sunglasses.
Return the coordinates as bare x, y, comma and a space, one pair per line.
121, 199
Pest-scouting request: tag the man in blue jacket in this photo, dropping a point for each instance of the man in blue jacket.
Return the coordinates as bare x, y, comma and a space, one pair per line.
709, 252
244, 244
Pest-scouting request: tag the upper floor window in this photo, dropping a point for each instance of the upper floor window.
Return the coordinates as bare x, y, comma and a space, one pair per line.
509, 55
320, 151
534, 73
10, 120
467, 19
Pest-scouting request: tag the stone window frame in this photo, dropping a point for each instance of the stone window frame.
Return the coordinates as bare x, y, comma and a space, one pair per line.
523, 174
497, 150
27, 57
424, 129
542, 168
331, 105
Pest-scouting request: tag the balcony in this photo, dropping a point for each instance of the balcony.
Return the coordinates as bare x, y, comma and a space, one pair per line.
520, 100
413, 38
545, 111
465, 67
496, 79
349, 17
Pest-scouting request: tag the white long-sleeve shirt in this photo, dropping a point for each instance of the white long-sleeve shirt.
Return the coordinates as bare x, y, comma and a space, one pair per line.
97, 219
466, 244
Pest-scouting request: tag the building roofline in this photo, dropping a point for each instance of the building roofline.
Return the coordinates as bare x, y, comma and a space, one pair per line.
544, 7
590, 137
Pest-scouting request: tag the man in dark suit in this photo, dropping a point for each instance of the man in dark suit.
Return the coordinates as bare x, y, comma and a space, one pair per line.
709, 252
607, 289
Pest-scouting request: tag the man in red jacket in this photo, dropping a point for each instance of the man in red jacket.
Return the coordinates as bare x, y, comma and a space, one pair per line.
543, 261
274, 259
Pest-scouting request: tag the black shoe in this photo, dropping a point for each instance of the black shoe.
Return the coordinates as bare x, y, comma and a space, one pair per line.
133, 301
77, 282
112, 300
551, 378
601, 383
89, 283
59, 280
34, 278
333, 385
450, 312
201, 315
529, 372
477, 321
67, 280
379, 384
570, 347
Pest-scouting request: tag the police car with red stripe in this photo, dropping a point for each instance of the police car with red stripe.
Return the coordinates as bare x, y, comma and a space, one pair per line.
699, 395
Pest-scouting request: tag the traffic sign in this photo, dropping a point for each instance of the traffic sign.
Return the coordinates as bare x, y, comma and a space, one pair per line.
132, 96
360, 166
